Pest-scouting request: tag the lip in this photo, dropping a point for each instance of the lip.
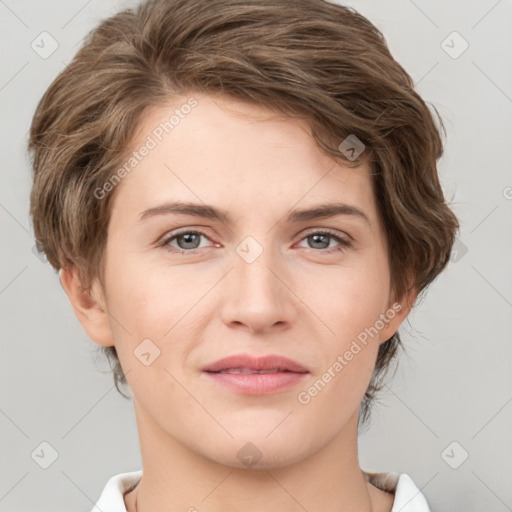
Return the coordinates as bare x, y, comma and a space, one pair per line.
269, 362
287, 373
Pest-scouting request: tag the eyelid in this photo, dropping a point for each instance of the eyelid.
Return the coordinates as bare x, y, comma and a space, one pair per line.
311, 231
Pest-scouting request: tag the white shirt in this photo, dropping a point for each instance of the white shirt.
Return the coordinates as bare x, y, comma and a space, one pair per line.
408, 498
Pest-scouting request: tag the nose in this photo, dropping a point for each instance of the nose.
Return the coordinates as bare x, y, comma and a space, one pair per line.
256, 296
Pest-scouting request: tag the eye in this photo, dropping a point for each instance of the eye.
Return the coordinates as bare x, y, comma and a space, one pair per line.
321, 240
187, 241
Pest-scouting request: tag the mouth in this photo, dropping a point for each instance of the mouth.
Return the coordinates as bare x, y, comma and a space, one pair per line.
246, 363
251, 371
251, 375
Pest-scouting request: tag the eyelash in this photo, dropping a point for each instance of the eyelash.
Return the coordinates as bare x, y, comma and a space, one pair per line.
344, 243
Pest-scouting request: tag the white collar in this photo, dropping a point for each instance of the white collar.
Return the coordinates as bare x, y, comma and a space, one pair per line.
408, 498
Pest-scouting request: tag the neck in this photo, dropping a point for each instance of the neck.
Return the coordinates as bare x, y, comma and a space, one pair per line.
174, 475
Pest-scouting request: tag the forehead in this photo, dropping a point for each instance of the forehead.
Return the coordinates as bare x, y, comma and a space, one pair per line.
234, 154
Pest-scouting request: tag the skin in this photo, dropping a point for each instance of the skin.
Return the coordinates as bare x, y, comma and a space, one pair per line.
295, 299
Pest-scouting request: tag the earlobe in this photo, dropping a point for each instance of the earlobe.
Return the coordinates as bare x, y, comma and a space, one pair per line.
87, 305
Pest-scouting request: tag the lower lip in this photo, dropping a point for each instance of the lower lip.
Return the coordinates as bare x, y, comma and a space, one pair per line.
257, 383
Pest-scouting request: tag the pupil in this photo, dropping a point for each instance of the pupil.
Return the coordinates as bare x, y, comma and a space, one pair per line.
189, 239
316, 237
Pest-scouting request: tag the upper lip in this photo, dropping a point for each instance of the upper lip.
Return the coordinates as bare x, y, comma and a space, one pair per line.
269, 362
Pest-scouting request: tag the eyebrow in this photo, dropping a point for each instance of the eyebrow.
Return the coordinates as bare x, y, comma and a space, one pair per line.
321, 211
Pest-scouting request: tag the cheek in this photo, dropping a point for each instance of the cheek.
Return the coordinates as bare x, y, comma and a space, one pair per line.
145, 298
349, 352
160, 304
354, 312
351, 309
349, 301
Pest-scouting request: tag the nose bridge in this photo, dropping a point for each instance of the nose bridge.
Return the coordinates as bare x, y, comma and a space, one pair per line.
256, 296
253, 263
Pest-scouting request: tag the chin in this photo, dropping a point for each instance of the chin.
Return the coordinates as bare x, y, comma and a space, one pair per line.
256, 451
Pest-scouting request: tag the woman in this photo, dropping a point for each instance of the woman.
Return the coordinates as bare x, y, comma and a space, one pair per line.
242, 200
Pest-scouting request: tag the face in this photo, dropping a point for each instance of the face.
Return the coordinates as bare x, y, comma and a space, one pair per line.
184, 290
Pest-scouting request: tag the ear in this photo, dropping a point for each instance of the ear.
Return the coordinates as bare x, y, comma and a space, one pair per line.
89, 306
396, 313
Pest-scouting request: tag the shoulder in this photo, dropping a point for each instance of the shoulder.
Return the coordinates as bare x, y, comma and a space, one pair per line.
111, 498
407, 496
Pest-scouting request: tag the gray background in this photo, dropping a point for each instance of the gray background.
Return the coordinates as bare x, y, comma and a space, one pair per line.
454, 385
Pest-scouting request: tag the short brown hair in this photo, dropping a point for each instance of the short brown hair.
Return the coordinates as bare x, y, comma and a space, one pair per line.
308, 59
